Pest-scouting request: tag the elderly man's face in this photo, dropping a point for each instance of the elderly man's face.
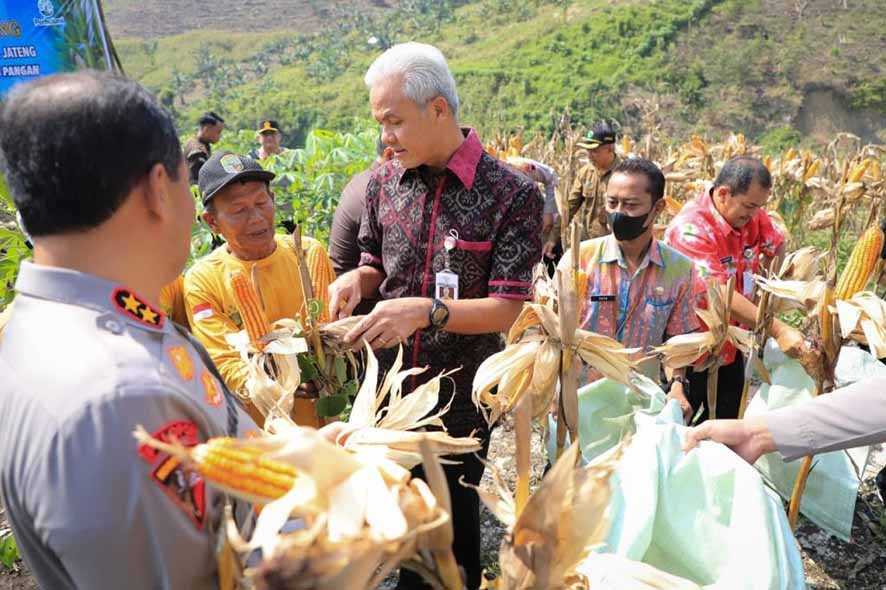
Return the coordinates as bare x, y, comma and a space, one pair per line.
243, 213
409, 128
212, 133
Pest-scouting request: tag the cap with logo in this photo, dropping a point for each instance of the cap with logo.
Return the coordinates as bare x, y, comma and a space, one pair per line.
600, 134
223, 168
268, 125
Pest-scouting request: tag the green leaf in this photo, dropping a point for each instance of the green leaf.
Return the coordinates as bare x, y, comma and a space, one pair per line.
331, 406
349, 389
8, 551
307, 364
341, 369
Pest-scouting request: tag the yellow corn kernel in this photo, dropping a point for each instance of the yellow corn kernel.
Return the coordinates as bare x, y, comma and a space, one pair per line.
861, 263
242, 469
253, 315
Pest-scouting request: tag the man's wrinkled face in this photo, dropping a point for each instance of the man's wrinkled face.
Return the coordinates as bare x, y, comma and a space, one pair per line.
602, 156
243, 213
408, 128
270, 141
738, 210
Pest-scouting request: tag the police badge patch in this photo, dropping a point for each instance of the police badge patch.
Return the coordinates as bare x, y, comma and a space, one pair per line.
184, 487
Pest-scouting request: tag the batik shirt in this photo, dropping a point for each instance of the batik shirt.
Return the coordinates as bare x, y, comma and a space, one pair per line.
639, 310
719, 250
493, 213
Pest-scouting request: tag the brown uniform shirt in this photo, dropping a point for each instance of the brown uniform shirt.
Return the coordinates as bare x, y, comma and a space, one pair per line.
587, 201
196, 153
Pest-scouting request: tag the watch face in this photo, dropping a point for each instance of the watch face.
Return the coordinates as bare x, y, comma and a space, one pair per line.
440, 314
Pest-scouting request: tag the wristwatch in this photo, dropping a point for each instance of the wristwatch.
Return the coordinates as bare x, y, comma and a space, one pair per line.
681, 380
439, 315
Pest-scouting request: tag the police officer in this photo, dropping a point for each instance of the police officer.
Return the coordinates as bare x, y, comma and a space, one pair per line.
198, 149
87, 355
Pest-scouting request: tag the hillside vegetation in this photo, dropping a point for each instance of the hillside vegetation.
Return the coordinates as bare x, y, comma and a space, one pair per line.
776, 70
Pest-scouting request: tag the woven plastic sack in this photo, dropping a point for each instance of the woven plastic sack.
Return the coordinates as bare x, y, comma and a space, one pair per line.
705, 516
832, 486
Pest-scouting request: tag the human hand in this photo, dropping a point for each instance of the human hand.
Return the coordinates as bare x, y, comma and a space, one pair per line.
391, 322
345, 294
749, 438
678, 394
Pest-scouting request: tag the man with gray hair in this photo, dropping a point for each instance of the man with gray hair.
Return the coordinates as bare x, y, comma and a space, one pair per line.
448, 240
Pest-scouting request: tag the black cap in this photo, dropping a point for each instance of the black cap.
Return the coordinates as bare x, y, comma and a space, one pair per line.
268, 125
600, 134
210, 118
223, 168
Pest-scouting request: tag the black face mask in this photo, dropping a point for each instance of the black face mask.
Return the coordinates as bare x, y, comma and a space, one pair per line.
625, 227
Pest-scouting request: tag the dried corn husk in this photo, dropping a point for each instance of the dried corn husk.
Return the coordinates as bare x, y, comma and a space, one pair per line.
273, 371
863, 318
360, 512
563, 521
383, 429
332, 335
822, 219
529, 365
685, 349
805, 295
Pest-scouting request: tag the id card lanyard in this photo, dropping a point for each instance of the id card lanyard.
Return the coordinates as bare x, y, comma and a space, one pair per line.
446, 280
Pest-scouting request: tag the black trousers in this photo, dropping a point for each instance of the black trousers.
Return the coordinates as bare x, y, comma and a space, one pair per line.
730, 382
465, 518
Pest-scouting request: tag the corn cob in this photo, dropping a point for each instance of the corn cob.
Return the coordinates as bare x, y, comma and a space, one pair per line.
861, 263
858, 171
235, 466
251, 311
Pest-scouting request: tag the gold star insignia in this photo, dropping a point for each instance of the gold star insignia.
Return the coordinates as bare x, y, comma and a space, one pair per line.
131, 303
149, 315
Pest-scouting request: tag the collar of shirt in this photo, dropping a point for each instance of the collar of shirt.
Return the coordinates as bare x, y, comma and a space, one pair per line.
84, 290
463, 162
612, 253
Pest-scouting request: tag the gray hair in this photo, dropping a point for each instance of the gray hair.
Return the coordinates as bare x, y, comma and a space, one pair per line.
425, 73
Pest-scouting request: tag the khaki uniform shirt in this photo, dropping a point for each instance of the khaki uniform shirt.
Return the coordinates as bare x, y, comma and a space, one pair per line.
84, 362
587, 202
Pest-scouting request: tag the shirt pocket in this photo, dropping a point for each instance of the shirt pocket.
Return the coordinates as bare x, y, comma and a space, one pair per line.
472, 262
658, 312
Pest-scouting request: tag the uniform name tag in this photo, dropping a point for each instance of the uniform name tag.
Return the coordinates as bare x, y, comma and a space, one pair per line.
602, 297
726, 260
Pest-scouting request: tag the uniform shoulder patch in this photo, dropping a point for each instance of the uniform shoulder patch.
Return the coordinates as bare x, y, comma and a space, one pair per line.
202, 311
185, 488
132, 306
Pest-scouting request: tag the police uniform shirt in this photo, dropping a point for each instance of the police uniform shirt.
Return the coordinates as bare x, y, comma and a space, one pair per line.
84, 362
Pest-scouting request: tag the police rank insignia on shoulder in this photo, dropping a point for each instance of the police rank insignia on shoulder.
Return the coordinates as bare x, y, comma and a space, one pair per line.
184, 487
130, 305
182, 362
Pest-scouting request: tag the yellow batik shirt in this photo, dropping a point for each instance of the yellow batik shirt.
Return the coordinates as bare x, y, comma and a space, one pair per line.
212, 309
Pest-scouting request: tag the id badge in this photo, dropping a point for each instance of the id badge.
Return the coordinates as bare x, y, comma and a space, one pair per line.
748, 284
447, 285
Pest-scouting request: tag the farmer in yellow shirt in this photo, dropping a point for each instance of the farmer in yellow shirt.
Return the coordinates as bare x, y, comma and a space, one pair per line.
239, 205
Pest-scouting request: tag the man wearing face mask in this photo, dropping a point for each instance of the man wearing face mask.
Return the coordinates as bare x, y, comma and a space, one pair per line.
640, 291
727, 233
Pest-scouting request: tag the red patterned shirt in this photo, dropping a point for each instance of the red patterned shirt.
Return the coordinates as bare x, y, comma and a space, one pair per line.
495, 214
721, 251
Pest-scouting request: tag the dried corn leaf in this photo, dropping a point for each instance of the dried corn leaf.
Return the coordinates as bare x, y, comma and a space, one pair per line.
805, 295
864, 312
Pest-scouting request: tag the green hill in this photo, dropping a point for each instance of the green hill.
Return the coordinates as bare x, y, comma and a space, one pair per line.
775, 70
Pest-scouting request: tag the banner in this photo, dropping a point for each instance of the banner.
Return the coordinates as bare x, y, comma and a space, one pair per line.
43, 37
